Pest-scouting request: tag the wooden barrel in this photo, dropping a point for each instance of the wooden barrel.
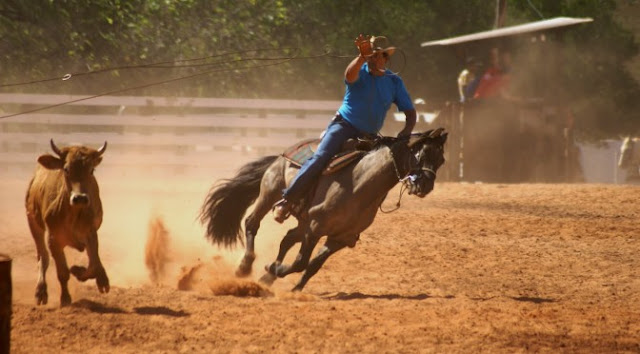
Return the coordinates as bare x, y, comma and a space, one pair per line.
5, 303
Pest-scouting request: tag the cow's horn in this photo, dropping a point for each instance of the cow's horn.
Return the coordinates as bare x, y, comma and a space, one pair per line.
55, 148
102, 148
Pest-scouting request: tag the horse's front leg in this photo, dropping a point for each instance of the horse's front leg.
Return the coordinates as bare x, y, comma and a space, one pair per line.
330, 247
302, 259
292, 237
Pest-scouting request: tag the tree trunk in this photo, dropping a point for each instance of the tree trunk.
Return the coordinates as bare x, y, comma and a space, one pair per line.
501, 13
5, 303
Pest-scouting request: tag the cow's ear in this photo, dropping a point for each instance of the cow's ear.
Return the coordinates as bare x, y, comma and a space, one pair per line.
97, 161
50, 162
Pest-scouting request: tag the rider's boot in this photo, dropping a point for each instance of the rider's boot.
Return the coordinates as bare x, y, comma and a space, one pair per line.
281, 210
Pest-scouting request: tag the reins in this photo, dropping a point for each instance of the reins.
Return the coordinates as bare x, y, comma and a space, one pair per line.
402, 189
402, 179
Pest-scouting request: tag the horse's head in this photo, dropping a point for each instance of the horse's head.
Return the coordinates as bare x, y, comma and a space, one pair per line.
428, 155
626, 151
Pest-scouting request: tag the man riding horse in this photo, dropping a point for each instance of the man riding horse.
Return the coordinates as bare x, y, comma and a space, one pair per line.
370, 91
342, 203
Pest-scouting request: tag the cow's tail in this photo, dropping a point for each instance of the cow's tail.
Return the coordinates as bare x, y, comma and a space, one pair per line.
228, 201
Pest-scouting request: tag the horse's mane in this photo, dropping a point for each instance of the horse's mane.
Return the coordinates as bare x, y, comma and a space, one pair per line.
388, 141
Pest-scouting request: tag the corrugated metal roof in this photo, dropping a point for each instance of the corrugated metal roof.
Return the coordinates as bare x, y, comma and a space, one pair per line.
510, 31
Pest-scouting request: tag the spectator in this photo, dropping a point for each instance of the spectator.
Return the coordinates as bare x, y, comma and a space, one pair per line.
494, 78
468, 79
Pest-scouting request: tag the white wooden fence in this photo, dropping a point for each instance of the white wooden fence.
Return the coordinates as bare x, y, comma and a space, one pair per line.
600, 162
157, 133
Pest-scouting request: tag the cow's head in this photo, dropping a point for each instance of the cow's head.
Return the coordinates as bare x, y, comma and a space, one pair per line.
77, 164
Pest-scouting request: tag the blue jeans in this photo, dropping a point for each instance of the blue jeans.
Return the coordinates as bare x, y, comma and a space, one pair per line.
336, 134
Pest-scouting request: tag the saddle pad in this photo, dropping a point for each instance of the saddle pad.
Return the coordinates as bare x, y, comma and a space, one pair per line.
343, 159
301, 152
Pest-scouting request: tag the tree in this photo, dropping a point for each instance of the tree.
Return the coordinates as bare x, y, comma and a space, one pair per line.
295, 49
600, 89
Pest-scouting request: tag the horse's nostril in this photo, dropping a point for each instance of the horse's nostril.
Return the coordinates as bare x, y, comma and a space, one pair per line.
79, 199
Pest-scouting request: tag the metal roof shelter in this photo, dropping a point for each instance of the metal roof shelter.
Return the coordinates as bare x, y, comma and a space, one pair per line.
494, 138
510, 31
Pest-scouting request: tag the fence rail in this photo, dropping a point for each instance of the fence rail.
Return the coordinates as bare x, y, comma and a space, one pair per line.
185, 102
157, 133
179, 134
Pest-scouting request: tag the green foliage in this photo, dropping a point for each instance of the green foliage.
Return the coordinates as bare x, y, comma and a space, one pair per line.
602, 93
238, 39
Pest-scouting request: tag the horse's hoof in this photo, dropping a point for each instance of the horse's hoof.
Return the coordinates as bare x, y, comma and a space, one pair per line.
267, 279
243, 272
272, 268
296, 289
245, 267
281, 270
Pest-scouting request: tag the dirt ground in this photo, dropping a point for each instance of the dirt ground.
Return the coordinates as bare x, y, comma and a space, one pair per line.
470, 268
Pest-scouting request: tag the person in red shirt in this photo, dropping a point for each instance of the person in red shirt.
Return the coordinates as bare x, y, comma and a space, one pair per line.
495, 78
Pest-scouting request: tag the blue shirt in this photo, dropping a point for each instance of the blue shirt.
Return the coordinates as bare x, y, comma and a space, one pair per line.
367, 100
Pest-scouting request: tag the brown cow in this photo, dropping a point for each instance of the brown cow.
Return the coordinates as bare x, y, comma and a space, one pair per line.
63, 201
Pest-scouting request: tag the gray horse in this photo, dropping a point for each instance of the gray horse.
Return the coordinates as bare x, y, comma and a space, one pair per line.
342, 205
630, 157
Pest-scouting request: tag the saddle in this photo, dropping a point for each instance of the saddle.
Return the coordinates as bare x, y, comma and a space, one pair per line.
352, 150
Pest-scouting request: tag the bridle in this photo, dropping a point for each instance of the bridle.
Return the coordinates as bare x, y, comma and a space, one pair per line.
408, 178
414, 168
430, 170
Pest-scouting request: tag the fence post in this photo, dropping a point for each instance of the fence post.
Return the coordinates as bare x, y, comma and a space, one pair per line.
5, 304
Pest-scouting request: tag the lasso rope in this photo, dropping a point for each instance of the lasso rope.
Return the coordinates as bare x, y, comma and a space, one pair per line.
166, 65
280, 60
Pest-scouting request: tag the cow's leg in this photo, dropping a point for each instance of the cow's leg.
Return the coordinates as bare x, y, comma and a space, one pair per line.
43, 262
292, 237
252, 224
95, 269
330, 247
62, 270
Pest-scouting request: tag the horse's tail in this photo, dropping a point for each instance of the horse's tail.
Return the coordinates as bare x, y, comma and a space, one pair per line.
228, 201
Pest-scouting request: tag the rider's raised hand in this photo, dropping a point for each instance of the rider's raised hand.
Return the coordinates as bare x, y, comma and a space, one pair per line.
363, 43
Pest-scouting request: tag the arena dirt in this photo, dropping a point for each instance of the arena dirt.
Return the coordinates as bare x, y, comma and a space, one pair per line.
470, 268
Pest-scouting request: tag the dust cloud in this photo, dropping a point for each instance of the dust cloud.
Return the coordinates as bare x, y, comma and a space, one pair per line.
156, 255
150, 234
216, 277
175, 252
